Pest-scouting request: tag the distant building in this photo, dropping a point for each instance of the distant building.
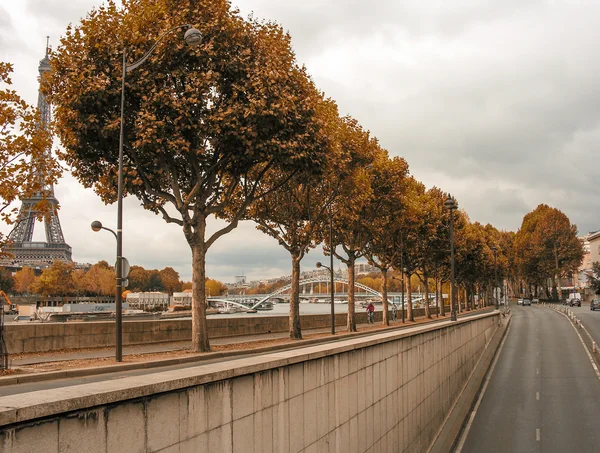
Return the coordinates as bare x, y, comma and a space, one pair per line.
593, 241
581, 276
183, 299
149, 301
364, 268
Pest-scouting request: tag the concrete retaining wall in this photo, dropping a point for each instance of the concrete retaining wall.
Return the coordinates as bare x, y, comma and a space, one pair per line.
388, 392
41, 337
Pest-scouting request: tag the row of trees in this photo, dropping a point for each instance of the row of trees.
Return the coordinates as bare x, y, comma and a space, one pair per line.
236, 129
63, 279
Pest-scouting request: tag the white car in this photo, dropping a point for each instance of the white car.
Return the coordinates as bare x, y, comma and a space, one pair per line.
520, 302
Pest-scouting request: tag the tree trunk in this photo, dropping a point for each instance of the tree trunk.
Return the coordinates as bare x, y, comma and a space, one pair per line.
295, 329
200, 341
351, 324
384, 277
410, 315
426, 282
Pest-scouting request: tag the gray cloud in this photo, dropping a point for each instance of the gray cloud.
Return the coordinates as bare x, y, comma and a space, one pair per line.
55, 12
495, 102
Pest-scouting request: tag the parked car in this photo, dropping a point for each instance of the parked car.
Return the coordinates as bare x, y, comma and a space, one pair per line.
520, 302
575, 302
595, 304
535, 301
526, 302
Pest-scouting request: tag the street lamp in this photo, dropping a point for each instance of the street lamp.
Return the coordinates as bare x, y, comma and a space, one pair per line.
330, 269
192, 37
404, 271
97, 226
451, 205
495, 250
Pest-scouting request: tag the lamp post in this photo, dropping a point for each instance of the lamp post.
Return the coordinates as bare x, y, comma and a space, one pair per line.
192, 37
404, 270
451, 205
332, 285
495, 250
97, 226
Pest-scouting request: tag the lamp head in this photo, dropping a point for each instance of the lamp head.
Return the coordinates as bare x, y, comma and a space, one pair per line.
192, 37
96, 225
318, 264
450, 203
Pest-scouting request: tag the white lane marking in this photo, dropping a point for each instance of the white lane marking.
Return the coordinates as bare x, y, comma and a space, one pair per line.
584, 348
537, 396
465, 433
537, 434
537, 371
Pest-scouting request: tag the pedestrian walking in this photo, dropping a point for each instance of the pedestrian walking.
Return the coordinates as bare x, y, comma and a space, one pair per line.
394, 310
371, 312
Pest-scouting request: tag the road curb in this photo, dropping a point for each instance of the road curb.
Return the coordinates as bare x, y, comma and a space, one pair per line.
92, 371
452, 428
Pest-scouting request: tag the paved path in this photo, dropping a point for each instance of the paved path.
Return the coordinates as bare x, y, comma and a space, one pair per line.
543, 395
165, 347
177, 346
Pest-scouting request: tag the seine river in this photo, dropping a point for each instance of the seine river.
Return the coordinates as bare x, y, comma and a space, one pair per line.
305, 309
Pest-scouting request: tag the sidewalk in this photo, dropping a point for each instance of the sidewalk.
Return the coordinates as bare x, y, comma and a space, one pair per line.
243, 342
59, 356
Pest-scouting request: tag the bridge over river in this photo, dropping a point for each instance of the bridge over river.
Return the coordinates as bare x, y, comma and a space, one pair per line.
317, 290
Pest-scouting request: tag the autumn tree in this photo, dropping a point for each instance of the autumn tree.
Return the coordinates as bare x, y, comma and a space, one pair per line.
389, 202
24, 277
436, 247
547, 247
186, 285
203, 125
138, 279
26, 166
170, 280
474, 259
78, 277
350, 210
296, 214
215, 287
99, 280
418, 225
55, 280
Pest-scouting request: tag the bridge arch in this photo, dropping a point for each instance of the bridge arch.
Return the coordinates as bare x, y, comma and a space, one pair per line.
320, 279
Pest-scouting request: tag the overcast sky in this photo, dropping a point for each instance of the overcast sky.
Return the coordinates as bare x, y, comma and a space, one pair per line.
496, 102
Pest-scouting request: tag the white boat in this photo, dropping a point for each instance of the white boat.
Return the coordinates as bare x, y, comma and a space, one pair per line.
228, 309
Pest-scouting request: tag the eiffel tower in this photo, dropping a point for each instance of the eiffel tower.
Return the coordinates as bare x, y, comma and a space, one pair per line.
26, 252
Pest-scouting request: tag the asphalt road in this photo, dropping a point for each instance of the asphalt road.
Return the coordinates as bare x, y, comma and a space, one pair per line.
590, 319
543, 395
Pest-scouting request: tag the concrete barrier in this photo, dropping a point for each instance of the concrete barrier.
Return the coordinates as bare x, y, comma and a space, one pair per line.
386, 392
43, 337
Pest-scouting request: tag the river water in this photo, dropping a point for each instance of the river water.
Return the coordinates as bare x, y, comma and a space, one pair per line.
305, 309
